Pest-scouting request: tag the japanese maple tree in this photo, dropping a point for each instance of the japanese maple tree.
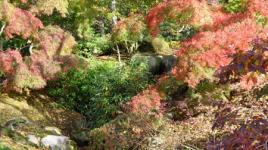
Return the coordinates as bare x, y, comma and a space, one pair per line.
50, 47
221, 38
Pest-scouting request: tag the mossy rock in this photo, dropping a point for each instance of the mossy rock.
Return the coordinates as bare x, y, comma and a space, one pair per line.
157, 64
29, 115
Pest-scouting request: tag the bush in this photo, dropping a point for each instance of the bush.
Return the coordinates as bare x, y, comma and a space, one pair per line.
3, 147
172, 32
234, 6
129, 33
98, 92
161, 46
96, 45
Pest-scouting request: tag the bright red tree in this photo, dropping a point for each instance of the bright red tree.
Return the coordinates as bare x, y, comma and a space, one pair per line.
221, 36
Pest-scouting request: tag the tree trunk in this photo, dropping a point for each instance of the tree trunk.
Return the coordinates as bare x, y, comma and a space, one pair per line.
1, 32
113, 7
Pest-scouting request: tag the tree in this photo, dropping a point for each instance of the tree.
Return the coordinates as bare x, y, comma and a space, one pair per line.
220, 42
50, 47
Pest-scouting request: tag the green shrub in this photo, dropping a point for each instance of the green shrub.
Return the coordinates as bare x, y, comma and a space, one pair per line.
161, 46
171, 31
234, 6
94, 44
3, 147
98, 92
261, 20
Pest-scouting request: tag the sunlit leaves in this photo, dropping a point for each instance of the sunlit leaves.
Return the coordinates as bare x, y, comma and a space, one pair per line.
48, 6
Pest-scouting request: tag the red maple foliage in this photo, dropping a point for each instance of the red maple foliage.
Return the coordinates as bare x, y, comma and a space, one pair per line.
146, 102
19, 22
213, 47
51, 50
165, 10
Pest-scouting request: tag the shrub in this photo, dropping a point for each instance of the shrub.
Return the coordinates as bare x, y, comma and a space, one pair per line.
98, 91
129, 32
3, 147
234, 6
211, 50
172, 32
49, 48
96, 45
177, 11
161, 46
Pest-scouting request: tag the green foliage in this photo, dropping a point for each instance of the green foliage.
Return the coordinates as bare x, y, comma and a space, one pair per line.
94, 45
14, 43
161, 46
3, 147
130, 32
207, 90
172, 32
172, 88
261, 20
98, 92
124, 7
234, 6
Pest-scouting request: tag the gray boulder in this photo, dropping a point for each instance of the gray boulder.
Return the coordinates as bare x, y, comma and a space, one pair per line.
34, 140
157, 64
55, 142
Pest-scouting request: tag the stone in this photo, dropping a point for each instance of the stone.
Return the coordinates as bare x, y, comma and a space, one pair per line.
55, 142
168, 62
34, 140
157, 64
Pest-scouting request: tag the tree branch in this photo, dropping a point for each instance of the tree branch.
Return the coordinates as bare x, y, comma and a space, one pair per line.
2, 28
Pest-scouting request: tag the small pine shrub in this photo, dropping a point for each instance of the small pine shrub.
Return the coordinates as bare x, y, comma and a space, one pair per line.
98, 92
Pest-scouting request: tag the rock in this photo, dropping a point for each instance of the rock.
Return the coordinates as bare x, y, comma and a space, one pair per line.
22, 115
168, 62
157, 64
34, 140
57, 142
53, 130
157, 141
